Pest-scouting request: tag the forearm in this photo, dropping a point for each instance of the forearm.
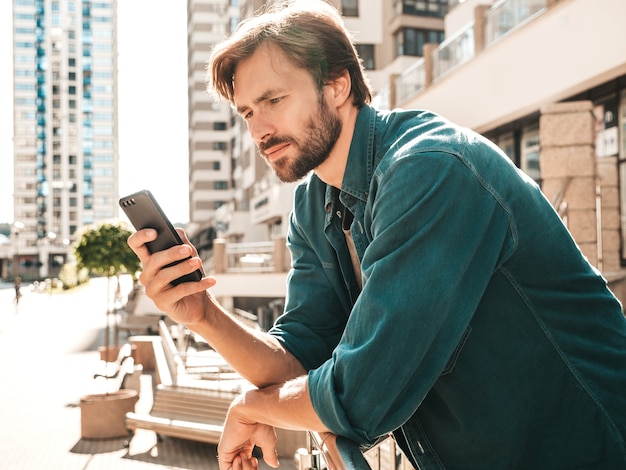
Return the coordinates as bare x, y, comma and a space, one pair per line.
256, 355
255, 414
285, 406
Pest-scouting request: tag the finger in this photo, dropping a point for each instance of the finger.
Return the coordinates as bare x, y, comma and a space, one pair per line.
251, 463
137, 242
267, 443
183, 237
225, 465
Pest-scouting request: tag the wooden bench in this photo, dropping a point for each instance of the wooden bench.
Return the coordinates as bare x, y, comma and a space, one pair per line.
181, 409
116, 373
190, 408
135, 324
184, 412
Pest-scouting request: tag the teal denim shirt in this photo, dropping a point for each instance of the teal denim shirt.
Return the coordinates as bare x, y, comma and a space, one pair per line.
482, 336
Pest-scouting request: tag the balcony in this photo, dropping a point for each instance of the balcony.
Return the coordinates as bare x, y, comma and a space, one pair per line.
249, 269
525, 54
273, 203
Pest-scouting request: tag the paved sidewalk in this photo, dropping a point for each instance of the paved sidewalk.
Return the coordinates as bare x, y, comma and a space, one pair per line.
48, 355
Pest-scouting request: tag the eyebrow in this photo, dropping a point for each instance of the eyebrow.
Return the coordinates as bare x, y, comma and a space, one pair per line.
265, 96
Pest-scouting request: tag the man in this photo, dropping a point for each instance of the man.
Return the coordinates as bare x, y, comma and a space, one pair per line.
17, 284
467, 322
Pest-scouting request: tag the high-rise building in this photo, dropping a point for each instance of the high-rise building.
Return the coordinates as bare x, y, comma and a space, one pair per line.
65, 125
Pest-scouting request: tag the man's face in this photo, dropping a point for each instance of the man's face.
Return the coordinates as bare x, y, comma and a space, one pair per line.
287, 116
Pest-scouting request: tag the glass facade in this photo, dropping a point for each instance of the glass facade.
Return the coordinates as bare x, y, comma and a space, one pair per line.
64, 60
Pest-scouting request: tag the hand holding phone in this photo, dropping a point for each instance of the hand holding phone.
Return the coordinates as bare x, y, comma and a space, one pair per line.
143, 211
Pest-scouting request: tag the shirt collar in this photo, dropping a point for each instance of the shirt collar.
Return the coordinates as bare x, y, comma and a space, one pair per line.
359, 166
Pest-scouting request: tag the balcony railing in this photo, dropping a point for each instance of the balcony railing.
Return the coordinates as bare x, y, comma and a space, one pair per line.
499, 20
257, 257
453, 52
506, 15
411, 81
250, 257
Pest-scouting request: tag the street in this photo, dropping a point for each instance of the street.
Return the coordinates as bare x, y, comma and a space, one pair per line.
48, 355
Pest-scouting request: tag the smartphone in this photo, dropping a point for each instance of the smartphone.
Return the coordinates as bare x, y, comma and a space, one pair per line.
144, 211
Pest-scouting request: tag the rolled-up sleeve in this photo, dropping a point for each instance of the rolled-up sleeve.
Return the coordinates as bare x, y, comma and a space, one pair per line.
317, 305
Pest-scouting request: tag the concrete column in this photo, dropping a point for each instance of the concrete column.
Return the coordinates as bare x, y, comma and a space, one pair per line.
280, 256
480, 25
568, 169
219, 255
429, 66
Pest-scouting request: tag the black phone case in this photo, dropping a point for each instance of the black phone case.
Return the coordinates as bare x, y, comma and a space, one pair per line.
144, 211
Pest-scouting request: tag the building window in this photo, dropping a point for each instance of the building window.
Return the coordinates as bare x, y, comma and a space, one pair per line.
366, 53
436, 8
529, 157
350, 7
219, 145
410, 41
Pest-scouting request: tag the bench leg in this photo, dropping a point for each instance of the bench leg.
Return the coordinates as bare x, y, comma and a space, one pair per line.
131, 434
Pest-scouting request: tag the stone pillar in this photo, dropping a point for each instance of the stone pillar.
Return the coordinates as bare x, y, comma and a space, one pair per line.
568, 169
480, 26
219, 255
608, 185
281, 256
429, 65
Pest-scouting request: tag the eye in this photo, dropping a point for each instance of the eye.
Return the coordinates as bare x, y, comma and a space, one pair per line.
276, 100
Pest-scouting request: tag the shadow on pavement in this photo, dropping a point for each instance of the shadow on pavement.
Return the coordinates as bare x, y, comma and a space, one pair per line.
99, 446
178, 453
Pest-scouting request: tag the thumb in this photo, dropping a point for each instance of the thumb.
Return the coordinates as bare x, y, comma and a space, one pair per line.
266, 443
270, 455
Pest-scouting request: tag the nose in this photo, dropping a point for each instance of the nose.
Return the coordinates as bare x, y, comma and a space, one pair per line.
260, 128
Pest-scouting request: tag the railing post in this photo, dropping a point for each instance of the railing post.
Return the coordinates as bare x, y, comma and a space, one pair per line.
480, 28
280, 255
219, 255
429, 65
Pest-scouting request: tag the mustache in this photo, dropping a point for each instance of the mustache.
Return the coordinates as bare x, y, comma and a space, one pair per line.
272, 141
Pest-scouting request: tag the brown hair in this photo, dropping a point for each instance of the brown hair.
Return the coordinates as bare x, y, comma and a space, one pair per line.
312, 35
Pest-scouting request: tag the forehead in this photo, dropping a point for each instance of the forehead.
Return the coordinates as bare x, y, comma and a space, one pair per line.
267, 68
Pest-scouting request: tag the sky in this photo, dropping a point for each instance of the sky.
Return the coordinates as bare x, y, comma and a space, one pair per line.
152, 74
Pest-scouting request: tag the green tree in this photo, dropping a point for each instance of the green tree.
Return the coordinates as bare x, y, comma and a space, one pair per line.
103, 250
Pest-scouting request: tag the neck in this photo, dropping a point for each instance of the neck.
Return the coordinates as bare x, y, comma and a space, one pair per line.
332, 170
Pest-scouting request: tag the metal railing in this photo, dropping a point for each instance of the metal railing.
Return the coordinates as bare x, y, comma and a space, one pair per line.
250, 257
501, 19
453, 52
506, 15
256, 257
411, 81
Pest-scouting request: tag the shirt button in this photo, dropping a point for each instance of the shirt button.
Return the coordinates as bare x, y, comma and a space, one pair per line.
420, 448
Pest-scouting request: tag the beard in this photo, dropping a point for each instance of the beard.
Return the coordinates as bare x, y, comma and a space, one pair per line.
321, 134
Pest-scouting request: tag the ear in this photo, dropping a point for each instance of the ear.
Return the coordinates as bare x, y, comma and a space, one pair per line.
339, 89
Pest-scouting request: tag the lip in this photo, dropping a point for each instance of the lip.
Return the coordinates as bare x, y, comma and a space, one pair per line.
273, 153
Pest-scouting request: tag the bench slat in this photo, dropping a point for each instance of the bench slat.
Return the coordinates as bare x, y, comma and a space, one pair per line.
203, 432
194, 413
